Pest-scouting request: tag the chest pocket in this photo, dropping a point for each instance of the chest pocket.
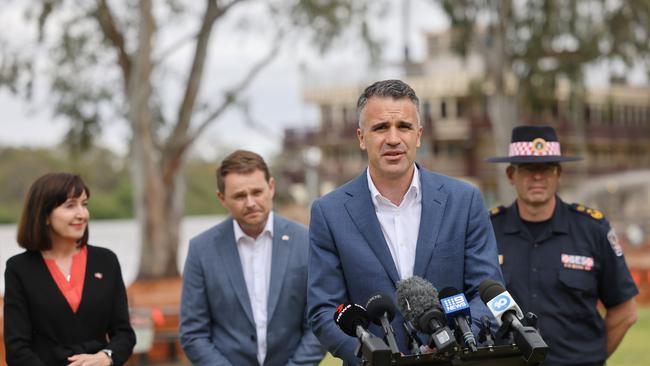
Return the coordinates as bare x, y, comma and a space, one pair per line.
581, 285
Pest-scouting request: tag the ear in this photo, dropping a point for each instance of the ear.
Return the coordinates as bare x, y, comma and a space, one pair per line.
222, 198
420, 129
272, 186
362, 142
510, 172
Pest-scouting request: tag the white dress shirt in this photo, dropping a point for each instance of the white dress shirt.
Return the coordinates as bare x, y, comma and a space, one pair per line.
255, 256
400, 224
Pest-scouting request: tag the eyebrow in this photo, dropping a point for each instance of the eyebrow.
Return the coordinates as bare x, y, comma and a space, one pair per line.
401, 123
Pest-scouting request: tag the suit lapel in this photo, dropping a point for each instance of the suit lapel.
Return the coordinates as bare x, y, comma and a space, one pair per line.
362, 212
51, 289
90, 281
279, 260
227, 251
433, 207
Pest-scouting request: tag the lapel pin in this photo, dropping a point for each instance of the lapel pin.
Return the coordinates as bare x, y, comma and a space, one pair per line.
99, 275
285, 237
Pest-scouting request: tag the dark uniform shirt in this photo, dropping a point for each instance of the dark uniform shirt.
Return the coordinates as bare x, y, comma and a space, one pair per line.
561, 275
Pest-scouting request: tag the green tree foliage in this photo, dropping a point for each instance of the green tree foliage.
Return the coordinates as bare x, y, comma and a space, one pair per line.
106, 175
546, 40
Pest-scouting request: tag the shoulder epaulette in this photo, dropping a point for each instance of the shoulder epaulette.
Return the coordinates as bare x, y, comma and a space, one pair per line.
495, 211
593, 213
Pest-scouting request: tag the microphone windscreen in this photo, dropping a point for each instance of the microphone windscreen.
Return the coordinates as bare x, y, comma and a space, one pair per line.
448, 291
489, 289
349, 316
378, 305
415, 296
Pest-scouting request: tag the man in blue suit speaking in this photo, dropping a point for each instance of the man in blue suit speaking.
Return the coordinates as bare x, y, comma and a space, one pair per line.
394, 221
245, 279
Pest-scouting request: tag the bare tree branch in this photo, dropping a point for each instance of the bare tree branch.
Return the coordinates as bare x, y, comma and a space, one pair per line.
110, 31
178, 140
259, 127
224, 8
173, 48
194, 78
233, 93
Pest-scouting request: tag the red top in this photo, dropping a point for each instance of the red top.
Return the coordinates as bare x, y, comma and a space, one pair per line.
72, 289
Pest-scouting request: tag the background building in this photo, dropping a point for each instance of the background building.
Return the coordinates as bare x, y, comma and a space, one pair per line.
613, 136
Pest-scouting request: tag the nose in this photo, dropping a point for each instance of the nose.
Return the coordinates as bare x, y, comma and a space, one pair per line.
82, 212
250, 202
537, 174
393, 137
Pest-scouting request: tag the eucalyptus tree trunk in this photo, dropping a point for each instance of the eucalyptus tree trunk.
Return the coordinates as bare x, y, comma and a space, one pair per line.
157, 210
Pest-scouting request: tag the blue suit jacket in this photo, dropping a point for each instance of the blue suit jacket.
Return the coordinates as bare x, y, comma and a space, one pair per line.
217, 325
350, 260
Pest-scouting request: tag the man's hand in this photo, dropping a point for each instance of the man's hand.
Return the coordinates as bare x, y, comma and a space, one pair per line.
84, 359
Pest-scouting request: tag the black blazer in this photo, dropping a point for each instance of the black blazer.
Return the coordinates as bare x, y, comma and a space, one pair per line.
40, 328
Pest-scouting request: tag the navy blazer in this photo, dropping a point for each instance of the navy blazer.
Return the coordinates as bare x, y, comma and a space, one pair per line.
217, 326
40, 327
350, 261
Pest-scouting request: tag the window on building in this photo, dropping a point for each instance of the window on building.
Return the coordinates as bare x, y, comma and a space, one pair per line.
460, 108
426, 114
443, 109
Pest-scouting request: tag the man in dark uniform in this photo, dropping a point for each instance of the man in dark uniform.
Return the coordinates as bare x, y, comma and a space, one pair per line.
559, 259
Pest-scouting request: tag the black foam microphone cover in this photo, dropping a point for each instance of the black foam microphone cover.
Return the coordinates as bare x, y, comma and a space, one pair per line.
379, 305
349, 316
489, 289
448, 292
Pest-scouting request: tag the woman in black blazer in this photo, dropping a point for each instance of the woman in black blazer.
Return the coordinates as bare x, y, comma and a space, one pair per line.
65, 301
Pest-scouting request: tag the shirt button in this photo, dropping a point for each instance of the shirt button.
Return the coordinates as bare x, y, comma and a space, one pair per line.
534, 269
534, 296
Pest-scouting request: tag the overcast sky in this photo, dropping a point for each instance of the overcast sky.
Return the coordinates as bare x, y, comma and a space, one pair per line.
274, 96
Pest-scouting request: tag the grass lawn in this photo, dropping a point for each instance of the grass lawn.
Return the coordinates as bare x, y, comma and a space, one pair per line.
634, 351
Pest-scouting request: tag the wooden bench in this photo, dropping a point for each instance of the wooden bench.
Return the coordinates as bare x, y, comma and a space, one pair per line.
160, 299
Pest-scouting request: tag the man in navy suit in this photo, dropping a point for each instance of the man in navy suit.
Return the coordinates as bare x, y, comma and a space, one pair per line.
245, 279
394, 221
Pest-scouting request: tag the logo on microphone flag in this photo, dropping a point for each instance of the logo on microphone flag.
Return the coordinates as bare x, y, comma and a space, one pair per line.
500, 304
454, 303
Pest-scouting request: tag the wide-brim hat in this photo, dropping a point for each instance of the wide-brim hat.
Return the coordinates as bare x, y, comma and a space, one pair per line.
533, 144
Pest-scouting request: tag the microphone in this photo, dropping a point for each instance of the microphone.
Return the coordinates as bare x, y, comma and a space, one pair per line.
485, 335
455, 306
508, 314
353, 321
413, 341
418, 301
381, 311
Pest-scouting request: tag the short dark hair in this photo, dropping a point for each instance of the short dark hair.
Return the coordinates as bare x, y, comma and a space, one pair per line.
240, 162
45, 194
396, 89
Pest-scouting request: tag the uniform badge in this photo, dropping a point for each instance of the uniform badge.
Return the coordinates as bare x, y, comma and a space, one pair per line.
539, 145
613, 241
579, 262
